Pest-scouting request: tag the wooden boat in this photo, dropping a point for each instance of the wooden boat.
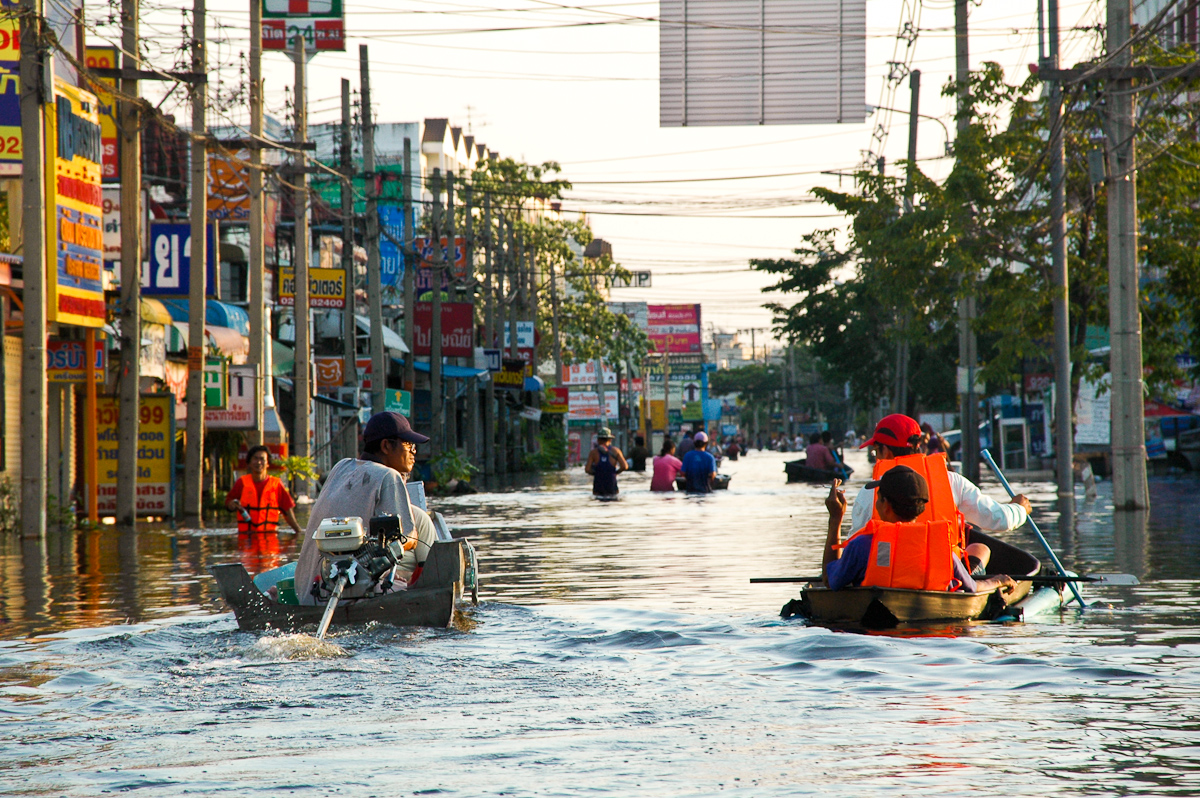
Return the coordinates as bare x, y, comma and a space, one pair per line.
884, 608
432, 601
798, 471
720, 482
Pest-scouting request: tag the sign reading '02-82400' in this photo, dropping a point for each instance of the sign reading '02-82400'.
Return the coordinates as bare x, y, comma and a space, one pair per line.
326, 287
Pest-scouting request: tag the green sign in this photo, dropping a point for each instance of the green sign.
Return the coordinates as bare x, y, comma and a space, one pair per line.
330, 190
693, 411
398, 402
216, 383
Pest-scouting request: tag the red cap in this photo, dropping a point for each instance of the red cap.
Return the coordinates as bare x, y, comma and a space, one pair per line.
897, 431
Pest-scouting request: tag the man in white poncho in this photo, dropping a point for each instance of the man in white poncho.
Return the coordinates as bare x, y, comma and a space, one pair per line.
372, 485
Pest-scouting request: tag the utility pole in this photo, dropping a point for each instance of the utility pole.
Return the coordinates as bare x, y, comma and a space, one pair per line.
902, 356
301, 388
256, 257
531, 253
513, 277
967, 355
1065, 445
374, 277
474, 450
450, 404
193, 510
1130, 488
436, 417
349, 328
129, 142
33, 235
410, 268
489, 338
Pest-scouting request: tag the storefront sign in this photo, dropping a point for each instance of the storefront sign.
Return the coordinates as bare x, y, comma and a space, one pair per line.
167, 270
457, 270
10, 94
229, 186
65, 361
74, 209
674, 328
326, 287
240, 410
106, 58
155, 454
458, 330
398, 402
585, 374
215, 383
558, 400
511, 376
526, 337
585, 406
320, 22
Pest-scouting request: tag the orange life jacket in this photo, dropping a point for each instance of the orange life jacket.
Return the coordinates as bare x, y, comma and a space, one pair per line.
914, 555
941, 506
263, 507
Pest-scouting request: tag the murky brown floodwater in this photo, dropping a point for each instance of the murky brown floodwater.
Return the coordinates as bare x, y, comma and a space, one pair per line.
619, 650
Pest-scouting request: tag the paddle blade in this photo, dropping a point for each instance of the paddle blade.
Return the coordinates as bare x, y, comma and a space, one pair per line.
1115, 579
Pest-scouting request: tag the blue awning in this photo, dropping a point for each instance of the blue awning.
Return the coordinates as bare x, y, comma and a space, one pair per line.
453, 372
218, 314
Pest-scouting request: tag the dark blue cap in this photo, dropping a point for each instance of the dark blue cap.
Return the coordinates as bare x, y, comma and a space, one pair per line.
382, 426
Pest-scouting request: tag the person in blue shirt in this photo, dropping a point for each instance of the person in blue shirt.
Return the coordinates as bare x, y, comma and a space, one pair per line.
900, 496
699, 467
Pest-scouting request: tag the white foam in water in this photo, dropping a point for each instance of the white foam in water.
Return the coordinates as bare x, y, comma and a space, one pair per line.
298, 646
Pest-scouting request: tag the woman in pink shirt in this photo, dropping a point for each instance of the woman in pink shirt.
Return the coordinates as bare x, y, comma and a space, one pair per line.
666, 466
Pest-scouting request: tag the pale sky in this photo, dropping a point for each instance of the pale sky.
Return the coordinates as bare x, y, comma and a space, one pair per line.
532, 83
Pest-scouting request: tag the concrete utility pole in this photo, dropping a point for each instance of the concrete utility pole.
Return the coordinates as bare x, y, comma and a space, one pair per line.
902, 346
374, 276
474, 449
193, 511
449, 405
489, 338
301, 387
349, 334
1064, 445
129, 143
436, 416
410, 267
33, 235
1130, 488
259, 339
967, 354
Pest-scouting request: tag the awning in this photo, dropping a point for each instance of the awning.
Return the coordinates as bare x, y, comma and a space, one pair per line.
228, 342
391, 340
218, 314
451, 371
283, 359
154, 312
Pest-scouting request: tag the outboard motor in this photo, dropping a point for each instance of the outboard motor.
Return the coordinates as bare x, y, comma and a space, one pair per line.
350, 556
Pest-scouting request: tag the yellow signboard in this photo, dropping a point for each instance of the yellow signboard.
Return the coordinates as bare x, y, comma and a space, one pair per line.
155, 454
74, 212
658, 414
10, 96
106, 58
326, 287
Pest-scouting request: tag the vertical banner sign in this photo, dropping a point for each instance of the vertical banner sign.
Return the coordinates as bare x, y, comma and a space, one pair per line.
229, 186
106, 58
391, 265
155, 454
320, 22
458, 334
10, 92
74, 209
168, 268
674, 328
458, 267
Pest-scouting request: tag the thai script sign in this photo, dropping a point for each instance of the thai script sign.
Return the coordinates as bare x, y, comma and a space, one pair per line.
674, 328
10, 94
585, 374
74, 209
511, 376
240, 411
106, 58
326, 287
456, 270
458, 332
168, 267
229, 186
320, 22
585, 405
155, 454
65, 361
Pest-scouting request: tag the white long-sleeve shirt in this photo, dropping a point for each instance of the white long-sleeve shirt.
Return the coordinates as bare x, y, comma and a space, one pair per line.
987, 514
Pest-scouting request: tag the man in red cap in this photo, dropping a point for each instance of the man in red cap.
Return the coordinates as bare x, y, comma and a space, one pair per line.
898, 435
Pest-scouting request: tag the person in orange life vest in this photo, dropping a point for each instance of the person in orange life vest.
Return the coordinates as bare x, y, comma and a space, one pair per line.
259, 498
901, 496
898, 436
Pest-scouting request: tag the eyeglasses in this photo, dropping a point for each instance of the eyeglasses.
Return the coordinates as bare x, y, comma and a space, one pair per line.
409, 447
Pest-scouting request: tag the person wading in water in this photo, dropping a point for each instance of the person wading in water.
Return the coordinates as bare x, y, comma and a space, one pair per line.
604, 463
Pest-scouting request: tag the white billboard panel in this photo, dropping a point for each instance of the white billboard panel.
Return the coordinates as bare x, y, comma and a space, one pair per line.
772, 62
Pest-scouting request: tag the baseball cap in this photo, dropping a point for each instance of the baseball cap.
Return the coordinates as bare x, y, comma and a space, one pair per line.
382, 426
903, 488
700, 437
897, 431
604, 432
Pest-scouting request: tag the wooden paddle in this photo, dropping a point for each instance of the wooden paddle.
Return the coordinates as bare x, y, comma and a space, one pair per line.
1100, 579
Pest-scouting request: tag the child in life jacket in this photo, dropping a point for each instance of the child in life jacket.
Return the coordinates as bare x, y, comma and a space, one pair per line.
900, 496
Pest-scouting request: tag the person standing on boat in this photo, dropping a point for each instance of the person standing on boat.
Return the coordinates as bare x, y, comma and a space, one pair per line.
604, 463
666, 468
259, 498
898, 436
819, 455
370, 486
901, 495
699, 466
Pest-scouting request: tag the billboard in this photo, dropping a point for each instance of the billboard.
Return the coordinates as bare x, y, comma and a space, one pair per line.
239, 411
65, 361
326, 287
168, 267
585, 374
106, 58
457, 271
585, 405
229, 186
320, 22
774, 62
458, 334
674, 328
10, 96
155, 454
74, 209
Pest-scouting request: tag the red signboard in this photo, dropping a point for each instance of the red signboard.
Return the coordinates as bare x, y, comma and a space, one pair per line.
458, 339
319, 34
674, 328
456, 271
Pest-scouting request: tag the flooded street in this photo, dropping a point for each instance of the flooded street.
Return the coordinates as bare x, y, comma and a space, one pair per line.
618, 650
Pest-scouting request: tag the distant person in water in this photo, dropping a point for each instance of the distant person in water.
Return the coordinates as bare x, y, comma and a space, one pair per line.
666, 468
638, 454
699, 466
819, 455
604, 463
685, 445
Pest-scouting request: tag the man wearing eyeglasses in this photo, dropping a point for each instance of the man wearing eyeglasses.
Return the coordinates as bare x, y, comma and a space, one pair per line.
369, 486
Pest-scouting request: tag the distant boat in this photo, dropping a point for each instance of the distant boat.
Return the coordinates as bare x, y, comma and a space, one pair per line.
720, 482
799, 471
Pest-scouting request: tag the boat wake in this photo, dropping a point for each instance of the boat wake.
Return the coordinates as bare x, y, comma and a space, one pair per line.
297, 647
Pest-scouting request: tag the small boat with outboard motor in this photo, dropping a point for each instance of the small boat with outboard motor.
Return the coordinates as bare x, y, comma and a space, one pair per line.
800, 471
350, 554
720, 482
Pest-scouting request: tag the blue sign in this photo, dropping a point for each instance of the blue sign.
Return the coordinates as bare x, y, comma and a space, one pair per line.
391, 264
170, 260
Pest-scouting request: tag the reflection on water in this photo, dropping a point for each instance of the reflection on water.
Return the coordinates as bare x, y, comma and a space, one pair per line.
620, 650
